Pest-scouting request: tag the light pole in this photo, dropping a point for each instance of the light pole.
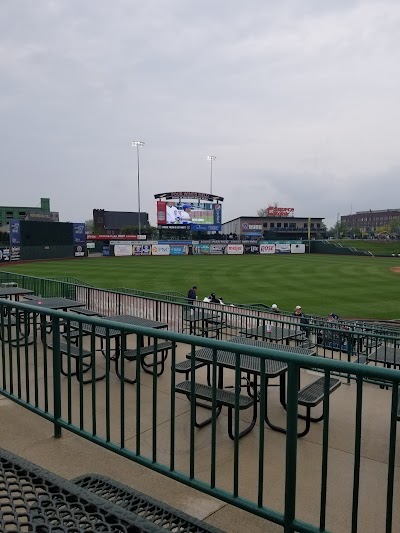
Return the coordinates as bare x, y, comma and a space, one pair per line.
138, 144
337, 227
211, 158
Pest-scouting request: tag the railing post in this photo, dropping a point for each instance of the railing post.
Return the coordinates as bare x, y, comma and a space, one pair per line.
56, 376
291, 447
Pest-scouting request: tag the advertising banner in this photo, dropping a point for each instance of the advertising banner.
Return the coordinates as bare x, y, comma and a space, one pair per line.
201, 249
257, 228
15, 254
146, 249
79, 233
179, 249
282, 248
274, 211
5, 255
79, 250
217, 214
160, 249
122, 250
106, 251
15, 233
217, 249
162, 213
298, 248
251, 249
120, 237
234, 249
142, 249
267, 248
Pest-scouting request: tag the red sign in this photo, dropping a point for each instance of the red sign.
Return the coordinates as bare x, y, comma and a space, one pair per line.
114, 237
279, 211
161, 212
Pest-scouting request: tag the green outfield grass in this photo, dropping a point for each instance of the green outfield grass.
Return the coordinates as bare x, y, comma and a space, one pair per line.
321, 284
374, 246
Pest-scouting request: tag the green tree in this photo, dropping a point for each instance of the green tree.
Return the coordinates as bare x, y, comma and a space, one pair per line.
394, 226
89, 225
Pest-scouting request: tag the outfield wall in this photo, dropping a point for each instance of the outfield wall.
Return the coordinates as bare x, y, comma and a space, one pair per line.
157, 248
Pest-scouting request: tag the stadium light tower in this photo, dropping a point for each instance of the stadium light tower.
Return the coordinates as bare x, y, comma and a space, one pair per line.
211, 158
138, 144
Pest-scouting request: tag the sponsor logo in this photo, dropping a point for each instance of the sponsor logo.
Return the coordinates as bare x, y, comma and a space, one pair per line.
267, 248
160, 249
279, 211
249, 227
234, 249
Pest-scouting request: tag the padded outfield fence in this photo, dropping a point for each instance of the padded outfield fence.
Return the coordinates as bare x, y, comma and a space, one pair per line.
162, 435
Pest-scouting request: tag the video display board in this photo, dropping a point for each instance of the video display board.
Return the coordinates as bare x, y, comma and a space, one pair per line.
200, 215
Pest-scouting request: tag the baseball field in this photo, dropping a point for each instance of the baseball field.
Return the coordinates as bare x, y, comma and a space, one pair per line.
364, 287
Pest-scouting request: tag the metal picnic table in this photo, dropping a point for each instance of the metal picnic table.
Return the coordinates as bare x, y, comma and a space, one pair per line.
251, 366
272, 333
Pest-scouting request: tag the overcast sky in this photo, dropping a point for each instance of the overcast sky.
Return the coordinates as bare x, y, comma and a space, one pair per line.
298, 100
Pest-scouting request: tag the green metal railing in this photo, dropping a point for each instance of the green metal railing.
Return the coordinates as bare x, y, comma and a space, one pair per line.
119, 417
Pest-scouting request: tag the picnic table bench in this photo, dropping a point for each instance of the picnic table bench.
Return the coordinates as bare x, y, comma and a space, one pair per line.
152, 510
223, 398
78, 354
141, 353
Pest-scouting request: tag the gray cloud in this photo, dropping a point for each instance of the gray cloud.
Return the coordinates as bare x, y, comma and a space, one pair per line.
298, 101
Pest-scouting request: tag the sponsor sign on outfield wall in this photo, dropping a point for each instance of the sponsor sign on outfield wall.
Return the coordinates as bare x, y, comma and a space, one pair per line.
160, 249
297, 248
141, 249
217, 249
201, 249
4, 255
179, 249
79, 250
282, 248
267, 248
122, 250
251, 249
234, 249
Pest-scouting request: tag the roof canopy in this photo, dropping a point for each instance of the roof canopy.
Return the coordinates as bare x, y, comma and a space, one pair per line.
189, 194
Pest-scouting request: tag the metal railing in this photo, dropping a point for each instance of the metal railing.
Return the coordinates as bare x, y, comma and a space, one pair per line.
148, 424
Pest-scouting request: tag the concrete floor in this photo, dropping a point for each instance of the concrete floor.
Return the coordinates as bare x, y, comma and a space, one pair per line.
30, 436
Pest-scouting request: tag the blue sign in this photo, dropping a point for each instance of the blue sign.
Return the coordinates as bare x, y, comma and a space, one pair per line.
79, 233
106, 251
206, 227
217, 214
178, 249
15, 232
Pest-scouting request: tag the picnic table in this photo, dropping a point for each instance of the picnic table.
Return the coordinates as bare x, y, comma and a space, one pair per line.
54, 303
120, 349
272, 333
6, 292
33, 499
251, 367
389, 356
196, 315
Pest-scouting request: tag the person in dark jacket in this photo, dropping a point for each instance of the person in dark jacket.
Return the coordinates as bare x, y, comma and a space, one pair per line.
192, 294
303, 320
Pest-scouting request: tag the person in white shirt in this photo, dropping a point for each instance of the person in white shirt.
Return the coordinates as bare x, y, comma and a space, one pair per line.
172, 213
185, 214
